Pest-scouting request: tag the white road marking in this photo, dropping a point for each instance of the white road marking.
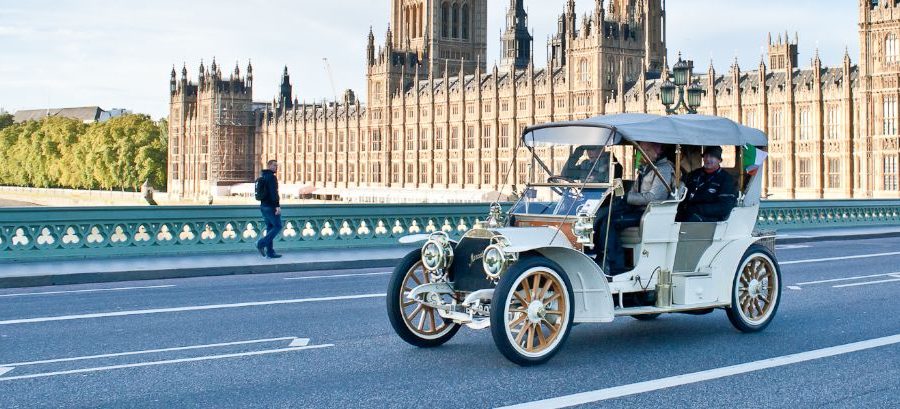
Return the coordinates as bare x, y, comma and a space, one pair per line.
299, 342
182, 309
5, 369
340, 275
153, 351
791, 246
88, 291
818, 260
835, 280
794, 287
686, 379
866, 283
165, 362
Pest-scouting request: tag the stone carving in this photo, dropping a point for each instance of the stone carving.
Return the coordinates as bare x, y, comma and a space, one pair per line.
208, 233
380, 229
45, 239
118, 235
70, 237
289, 230
250, 232
229, 233
95, 237
20, 239
142, 234
345, 229
308, 231
164, 233
186, 233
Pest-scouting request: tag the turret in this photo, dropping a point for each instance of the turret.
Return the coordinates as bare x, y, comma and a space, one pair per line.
370, 48
172, 81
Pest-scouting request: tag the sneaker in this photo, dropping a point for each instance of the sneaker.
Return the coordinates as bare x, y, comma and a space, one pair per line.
261, 249
273, 255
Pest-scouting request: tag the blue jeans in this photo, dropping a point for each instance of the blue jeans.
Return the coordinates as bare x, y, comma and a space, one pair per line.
273, 227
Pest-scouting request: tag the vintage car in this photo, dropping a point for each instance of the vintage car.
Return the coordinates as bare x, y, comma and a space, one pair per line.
531, 273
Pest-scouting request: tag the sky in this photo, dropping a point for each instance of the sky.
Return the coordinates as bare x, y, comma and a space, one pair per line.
119, 54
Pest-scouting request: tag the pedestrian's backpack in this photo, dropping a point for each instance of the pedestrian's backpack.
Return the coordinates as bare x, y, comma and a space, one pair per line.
260, 189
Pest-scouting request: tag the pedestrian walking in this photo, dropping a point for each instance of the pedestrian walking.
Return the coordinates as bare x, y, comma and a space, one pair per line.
270, 207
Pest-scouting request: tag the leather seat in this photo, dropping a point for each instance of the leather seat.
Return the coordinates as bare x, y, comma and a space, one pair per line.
631, 235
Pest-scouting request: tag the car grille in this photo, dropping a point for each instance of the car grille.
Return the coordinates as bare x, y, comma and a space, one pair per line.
467, 272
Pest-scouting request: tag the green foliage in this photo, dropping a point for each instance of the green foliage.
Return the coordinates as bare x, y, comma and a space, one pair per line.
6, 119
121, 153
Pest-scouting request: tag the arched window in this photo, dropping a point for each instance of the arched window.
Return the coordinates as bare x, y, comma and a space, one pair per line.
454, 23
445, 20
465, 22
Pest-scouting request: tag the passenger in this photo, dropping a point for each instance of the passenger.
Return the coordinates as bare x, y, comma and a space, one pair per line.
711, 193
647, 188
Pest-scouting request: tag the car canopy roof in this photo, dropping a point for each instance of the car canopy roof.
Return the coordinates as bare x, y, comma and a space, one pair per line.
701, 130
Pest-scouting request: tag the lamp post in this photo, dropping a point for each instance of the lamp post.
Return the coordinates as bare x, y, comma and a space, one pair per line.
689, 94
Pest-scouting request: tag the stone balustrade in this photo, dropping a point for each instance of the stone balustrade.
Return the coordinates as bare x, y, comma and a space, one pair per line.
42, 233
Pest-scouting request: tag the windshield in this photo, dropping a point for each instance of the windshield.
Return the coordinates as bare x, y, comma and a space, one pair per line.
564, 177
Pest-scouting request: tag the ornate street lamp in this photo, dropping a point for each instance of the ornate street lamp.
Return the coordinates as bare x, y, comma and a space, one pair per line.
688, 95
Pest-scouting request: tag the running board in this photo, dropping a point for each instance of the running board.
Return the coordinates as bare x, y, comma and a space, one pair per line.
621, 312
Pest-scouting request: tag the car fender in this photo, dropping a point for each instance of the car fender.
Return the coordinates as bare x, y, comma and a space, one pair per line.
593, 299
725, 263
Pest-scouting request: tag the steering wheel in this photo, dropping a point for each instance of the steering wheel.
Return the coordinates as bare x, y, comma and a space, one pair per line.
558, 178
552, 179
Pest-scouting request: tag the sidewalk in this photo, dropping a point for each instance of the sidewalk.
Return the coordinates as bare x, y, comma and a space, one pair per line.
36, 274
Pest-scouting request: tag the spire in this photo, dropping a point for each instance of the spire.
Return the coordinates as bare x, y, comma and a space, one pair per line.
237, 70
249, 70
173, 72
370, 47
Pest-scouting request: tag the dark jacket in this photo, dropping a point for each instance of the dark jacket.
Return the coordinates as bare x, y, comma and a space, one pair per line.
710, 196
271, 198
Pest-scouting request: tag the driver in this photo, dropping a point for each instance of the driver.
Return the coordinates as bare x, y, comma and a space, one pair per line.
647, 188
596, 167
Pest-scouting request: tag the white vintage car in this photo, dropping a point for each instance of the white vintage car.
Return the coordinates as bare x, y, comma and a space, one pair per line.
532, 272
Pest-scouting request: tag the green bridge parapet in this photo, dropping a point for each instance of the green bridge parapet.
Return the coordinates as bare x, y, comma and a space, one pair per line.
40, 233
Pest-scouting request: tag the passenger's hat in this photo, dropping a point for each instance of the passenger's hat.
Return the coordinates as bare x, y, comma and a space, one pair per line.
714, 151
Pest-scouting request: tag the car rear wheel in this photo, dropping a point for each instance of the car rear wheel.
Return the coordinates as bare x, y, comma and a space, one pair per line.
532, 311
756, 291
646, 317
414, 322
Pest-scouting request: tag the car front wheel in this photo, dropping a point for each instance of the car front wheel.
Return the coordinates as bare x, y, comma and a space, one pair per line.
532, 311
414, 322
756, 290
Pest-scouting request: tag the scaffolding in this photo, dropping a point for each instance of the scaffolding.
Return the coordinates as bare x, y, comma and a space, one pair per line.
232, 150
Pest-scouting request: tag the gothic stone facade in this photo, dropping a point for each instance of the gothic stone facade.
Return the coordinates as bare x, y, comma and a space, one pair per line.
438, 120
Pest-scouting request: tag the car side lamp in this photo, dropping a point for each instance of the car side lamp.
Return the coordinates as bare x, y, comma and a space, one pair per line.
583, 229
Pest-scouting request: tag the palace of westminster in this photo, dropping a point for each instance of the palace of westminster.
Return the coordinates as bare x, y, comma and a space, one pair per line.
439, 123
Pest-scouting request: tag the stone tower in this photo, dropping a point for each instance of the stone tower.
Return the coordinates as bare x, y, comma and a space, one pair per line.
783, 53
879, 66
211, 131
451, 32
516, 40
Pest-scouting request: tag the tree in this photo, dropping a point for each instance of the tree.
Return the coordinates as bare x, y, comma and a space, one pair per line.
6, 120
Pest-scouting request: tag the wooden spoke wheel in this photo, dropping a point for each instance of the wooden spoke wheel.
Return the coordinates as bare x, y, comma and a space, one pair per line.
532, 311
414, 322
757, 290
